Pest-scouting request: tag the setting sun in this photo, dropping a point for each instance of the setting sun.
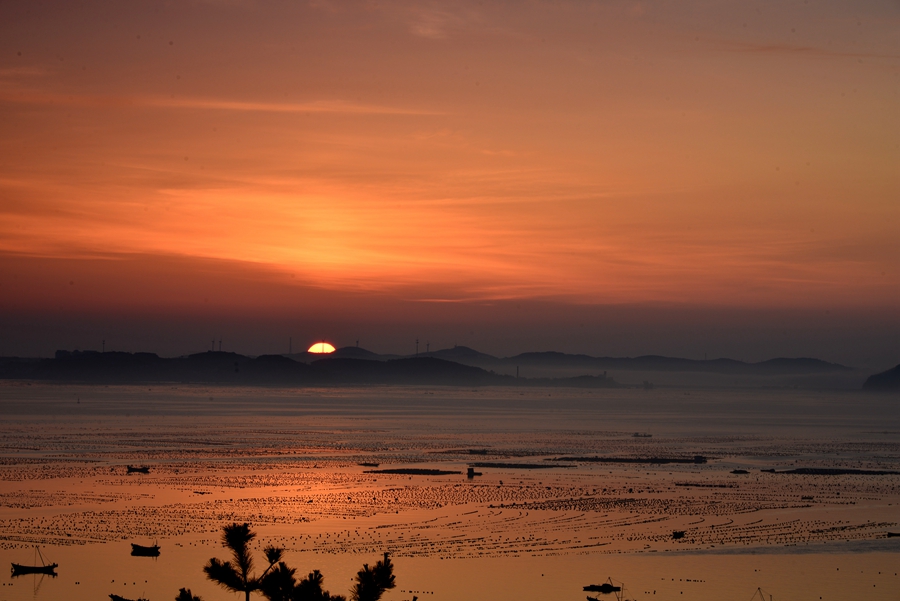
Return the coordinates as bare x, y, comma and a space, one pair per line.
321, 347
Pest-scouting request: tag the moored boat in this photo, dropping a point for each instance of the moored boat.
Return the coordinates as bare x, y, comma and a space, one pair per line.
19, 569
606, 588
115, 597
144, 551
762, 595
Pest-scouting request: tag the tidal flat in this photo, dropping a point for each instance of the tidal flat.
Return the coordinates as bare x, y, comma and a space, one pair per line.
677, 493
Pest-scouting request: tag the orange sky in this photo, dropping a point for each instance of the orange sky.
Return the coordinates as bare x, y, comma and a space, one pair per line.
744, 156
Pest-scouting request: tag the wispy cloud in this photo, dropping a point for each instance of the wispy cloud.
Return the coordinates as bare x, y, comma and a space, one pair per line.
32, 96
27, 71
777, 49
319, 106
433, 23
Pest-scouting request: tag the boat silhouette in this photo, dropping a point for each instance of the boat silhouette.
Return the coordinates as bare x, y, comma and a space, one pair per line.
605, 589
144, 551
45, 568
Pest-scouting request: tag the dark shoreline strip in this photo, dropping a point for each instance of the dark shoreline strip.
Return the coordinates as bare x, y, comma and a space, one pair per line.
413, 471
520, 466
827, 471
654, 460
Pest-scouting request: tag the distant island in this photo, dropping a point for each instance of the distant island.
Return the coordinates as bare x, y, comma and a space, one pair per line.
217, 367
885, 381
457, 366
551, 359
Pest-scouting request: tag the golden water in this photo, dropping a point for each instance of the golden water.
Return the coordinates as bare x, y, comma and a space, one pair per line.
288, 461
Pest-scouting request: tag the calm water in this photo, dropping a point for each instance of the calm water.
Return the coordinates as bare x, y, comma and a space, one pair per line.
288, 461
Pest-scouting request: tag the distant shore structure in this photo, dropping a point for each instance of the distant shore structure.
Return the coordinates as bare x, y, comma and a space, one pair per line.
321, 348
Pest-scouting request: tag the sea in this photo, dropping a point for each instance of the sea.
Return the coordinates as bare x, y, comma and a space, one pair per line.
707, 494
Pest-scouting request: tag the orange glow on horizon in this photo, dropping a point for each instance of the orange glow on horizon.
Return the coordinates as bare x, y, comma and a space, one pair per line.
594, 154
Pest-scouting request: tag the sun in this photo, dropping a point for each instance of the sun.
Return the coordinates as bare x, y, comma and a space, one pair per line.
321, 348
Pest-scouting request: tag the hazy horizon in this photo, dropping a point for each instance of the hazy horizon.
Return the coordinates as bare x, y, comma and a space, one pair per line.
501, 329
629, 331
299, 346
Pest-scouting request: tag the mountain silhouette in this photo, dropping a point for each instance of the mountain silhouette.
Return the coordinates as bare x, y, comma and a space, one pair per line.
556, 360
885, 381
218, 367
353, 365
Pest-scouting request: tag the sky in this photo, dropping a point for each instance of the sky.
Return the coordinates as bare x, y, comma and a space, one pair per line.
695, 178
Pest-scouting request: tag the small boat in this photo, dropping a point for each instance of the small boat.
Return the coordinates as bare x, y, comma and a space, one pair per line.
114, 597
604, 588
144, 551
19, 569
762, 595
45, 568
139, 469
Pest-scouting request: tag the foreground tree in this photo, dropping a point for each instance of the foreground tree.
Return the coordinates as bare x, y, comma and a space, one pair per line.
238, 576
185, 595
279, 582
281, 585
372, 582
